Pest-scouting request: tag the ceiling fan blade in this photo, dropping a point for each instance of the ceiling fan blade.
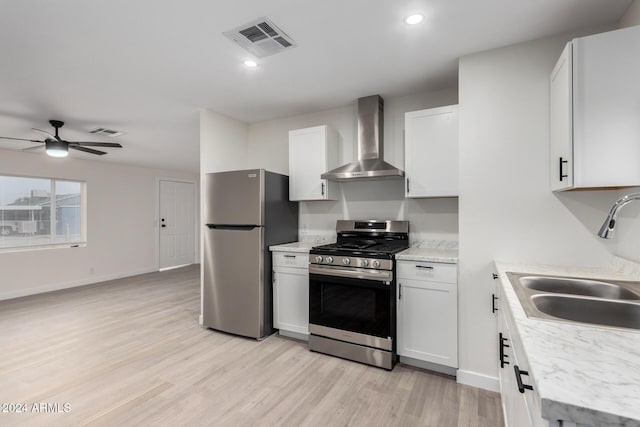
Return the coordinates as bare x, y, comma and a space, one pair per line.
32, 148
87, 150
45, 133
95, 144
20, 139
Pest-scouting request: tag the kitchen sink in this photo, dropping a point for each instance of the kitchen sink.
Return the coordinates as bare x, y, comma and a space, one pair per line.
610, 303
568, 285
621, 314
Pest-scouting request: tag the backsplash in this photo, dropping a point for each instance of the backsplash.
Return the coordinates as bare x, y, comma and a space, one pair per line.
431, 221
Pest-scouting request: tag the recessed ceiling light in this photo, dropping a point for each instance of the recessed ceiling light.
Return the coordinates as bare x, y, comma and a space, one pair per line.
250, 63
414, 19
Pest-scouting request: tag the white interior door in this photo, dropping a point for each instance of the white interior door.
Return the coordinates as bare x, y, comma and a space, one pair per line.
177, 228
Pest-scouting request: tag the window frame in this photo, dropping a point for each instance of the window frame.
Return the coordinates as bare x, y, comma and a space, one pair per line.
80, 242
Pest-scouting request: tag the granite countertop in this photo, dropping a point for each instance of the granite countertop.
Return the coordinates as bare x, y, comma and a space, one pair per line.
584, 374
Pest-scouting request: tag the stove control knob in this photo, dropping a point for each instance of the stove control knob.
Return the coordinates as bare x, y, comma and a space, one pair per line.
346, 261
375, 264
318, 259
329, 260
364, 263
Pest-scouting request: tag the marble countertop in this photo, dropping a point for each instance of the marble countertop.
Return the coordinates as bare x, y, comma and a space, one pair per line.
448, 256
444, 251
300, 247
423, 250
584, 374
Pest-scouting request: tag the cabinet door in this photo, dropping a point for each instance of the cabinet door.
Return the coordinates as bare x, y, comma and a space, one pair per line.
308, 159
561, 131
291, 300
520, 409
606, 96
428, 321
431, 152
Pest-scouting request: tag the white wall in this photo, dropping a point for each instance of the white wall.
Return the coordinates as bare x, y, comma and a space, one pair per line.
506, 209
430, 218
122, 225
632, 15
223, 143
627, 231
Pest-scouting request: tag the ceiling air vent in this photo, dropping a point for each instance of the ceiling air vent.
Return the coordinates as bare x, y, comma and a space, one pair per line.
261, 38
107, 132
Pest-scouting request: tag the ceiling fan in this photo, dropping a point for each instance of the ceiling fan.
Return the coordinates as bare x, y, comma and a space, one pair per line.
58, 147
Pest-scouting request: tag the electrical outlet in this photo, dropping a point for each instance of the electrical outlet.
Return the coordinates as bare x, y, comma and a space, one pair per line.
92, 270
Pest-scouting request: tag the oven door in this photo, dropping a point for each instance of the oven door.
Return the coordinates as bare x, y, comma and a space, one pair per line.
352, 304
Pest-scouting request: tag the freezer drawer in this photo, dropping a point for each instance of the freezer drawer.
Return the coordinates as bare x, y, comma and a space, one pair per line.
233, 287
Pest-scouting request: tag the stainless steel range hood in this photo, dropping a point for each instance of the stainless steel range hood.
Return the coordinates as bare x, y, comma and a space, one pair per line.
370, 163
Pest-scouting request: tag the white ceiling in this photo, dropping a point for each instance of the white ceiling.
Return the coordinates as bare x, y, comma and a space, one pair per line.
146, 66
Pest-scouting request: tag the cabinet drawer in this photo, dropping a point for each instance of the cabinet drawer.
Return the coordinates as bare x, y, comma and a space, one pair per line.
290, 259
433, 271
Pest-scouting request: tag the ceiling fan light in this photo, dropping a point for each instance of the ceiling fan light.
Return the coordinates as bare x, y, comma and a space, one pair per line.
56, 148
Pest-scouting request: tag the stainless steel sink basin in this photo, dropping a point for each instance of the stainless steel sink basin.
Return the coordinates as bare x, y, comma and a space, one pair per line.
568, 285
619, 314
610, 303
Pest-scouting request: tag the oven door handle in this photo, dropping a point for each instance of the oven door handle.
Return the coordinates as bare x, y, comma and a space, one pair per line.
354, 273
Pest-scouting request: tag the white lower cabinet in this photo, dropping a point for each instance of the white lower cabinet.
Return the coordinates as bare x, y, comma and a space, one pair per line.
520, 402
291, 294
427, 301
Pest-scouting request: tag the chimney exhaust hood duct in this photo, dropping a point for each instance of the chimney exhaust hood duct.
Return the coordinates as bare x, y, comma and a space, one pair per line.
370, 163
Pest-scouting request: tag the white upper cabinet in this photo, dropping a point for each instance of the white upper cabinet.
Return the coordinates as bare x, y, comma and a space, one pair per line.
312, 152
595, 112
431, 152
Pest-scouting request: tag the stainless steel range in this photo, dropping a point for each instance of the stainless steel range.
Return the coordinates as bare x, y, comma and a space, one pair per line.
352, 287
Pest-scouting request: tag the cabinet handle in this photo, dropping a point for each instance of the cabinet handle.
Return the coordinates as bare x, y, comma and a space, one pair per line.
322, 188
502, 345
289, 256
562, 176
400, 293
426, 267
493, 303
407, 185
521, 386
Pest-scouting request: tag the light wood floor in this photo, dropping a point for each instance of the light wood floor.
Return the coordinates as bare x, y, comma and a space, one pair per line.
131, 352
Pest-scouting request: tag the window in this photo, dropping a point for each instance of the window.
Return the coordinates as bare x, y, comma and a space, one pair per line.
40, 212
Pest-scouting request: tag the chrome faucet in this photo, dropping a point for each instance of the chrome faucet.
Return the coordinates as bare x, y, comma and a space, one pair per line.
606, 231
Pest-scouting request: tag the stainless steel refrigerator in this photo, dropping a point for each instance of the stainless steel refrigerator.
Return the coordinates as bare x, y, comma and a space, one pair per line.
245, 212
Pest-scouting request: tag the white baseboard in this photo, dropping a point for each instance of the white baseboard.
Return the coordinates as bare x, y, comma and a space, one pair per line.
173, 267
72, 284
296, 335
479, 380
429, 366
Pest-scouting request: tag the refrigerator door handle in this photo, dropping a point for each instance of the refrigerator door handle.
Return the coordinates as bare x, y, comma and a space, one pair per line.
231, 227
